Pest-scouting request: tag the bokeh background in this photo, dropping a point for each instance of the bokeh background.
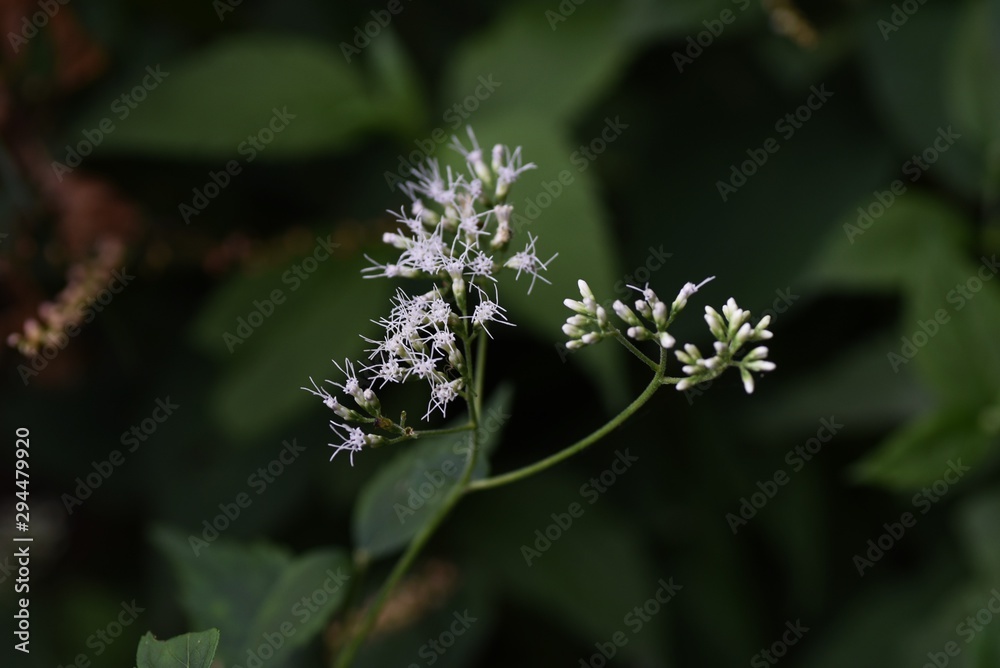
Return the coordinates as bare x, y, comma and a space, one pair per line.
834, 164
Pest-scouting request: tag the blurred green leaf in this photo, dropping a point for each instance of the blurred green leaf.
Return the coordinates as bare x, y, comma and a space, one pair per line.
950, 324
913, 107
919, 453
974, 74
252, 590
652, 19
979, 528
191, 650
322, 317
210, 104
223, 585
855, 385
406, 492
309, 590
587, 574
397, 84
876, 625
885, 247
553, 72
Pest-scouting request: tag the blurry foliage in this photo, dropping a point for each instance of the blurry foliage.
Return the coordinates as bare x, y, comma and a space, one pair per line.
846, 293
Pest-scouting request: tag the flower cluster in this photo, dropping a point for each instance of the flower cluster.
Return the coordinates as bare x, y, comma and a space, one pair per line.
732, 330
650, 321
457, 233
591, 324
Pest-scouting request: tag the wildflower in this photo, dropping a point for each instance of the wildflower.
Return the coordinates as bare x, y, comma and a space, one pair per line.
528, 262
457, 235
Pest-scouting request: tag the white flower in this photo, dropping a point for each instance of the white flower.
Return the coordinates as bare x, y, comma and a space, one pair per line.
353, 440
508, 167
528, 262
487, 310
474, 156
430, 183
329, 400
442, 394
689, 289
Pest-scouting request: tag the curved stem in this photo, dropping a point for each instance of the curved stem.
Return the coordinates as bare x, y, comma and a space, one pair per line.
632, 349
608, 427
346, 656
474, 404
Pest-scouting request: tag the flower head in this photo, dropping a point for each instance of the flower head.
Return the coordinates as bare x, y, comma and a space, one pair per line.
528, 262
456, 234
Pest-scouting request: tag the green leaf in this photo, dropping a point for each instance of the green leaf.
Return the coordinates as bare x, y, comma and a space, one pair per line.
951, 322
321, 318
682, 18
979, 528
589, 576
223, 585
397, 84
191, 650
553, 73
208, 105
920, 453
250, 590
856, 385
309, 590
915, 107
884, 248
405, 494
975, 73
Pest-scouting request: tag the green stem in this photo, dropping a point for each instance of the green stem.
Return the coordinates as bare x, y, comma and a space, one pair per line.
345, 658
405, 561
448, 430
632, 349
608, 427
